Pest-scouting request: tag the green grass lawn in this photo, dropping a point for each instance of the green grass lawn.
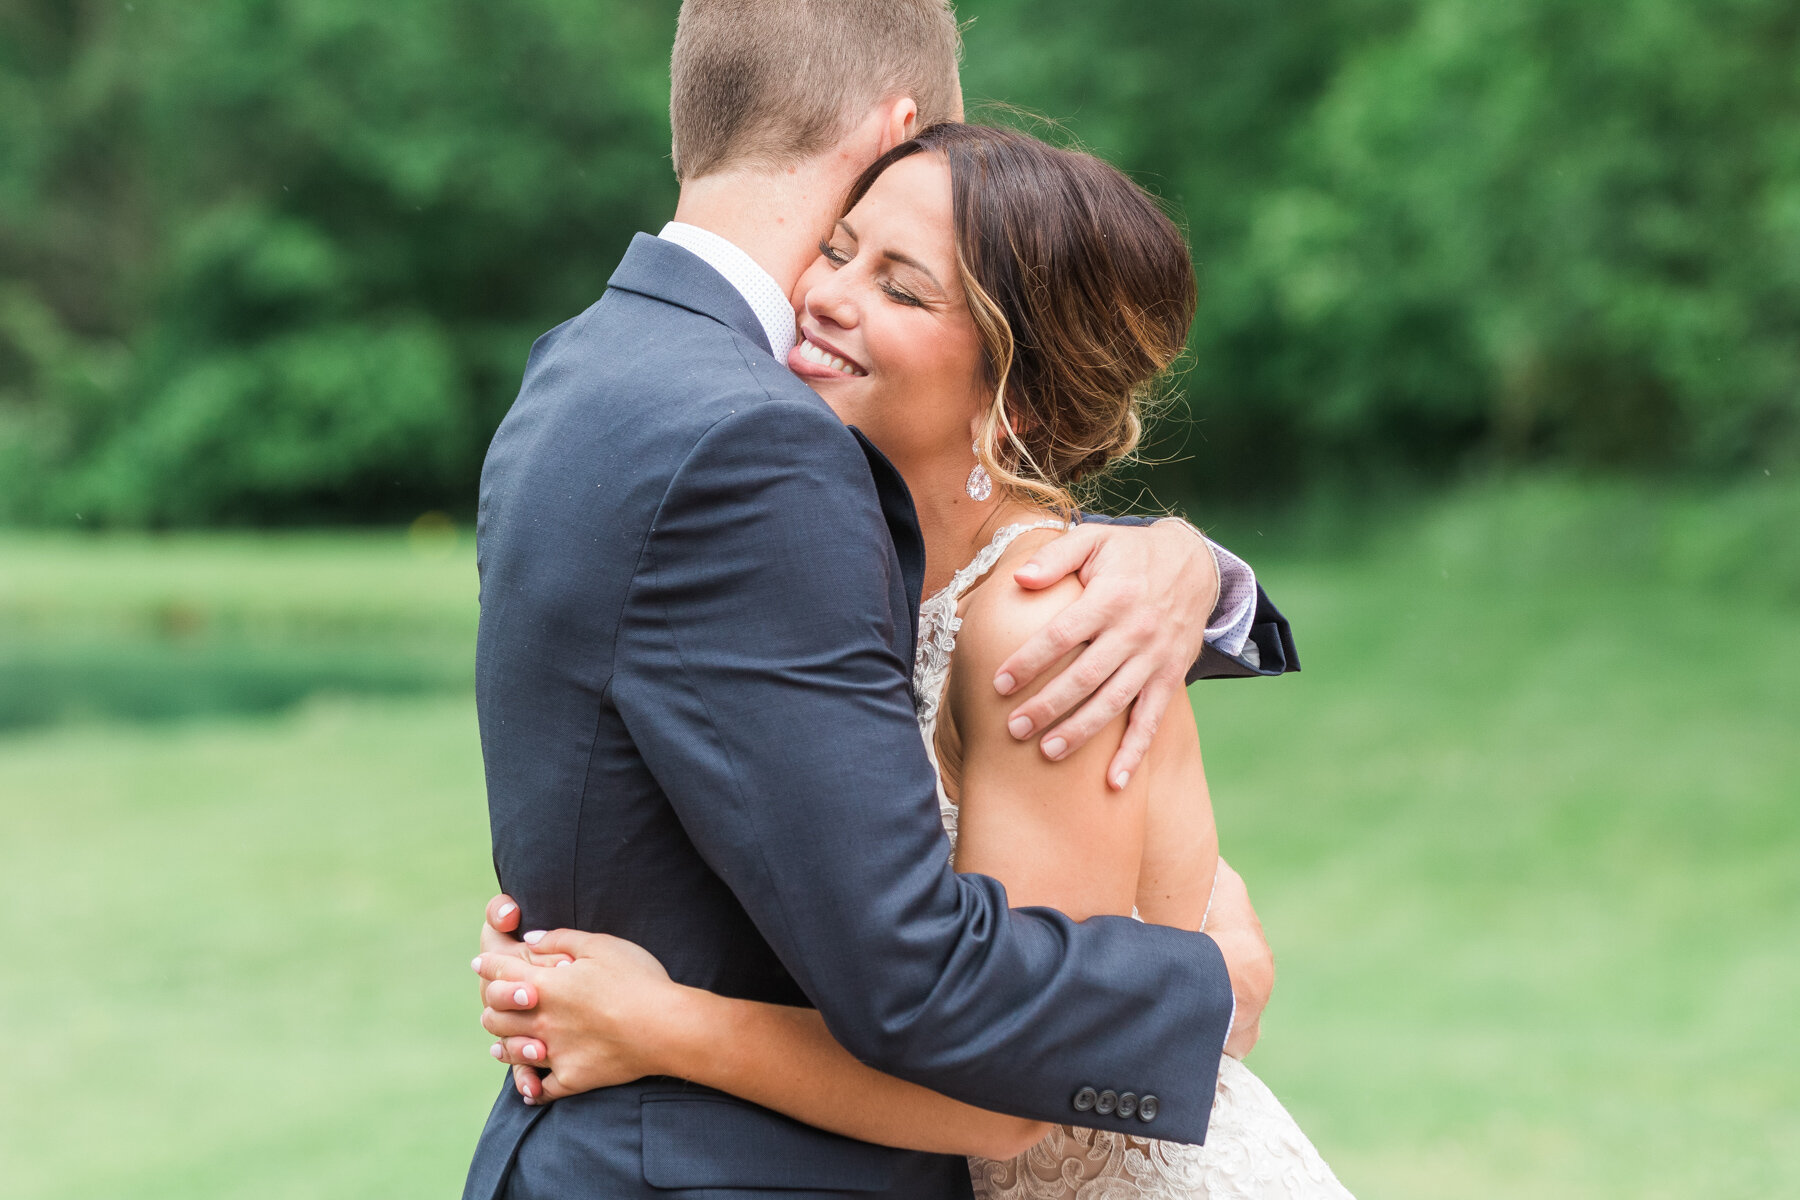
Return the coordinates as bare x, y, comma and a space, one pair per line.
1530, 860
1525, 840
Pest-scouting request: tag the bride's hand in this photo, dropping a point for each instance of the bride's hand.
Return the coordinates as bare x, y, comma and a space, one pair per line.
598, 1018
1233, 924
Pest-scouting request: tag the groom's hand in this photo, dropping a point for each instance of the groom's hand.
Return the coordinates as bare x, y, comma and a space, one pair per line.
1148, 594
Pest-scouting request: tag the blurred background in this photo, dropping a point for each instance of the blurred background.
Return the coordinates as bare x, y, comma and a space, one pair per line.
1496, 379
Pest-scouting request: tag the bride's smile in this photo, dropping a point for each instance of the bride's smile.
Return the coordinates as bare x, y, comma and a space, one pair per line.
885, 333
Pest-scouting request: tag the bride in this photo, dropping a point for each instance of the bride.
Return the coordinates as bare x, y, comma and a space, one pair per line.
991, 312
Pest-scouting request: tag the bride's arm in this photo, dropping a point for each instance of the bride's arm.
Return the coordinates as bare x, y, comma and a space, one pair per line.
611, 1015
1052, 831
1055, 835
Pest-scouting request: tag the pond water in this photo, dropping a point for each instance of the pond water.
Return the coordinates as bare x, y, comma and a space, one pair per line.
49, 681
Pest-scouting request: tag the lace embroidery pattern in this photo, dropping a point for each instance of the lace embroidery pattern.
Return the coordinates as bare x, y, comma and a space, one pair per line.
1254, 1151
1254, 1148
938, 627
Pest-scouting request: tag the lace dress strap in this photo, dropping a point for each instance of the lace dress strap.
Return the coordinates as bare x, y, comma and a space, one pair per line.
939, 624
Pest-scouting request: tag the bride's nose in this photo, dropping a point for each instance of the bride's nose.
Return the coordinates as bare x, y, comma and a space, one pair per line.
833, 300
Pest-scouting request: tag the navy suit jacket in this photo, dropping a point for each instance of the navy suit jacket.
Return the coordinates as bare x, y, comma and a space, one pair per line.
698, 600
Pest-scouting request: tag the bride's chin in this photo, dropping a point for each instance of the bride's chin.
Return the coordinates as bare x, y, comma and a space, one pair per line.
842, 410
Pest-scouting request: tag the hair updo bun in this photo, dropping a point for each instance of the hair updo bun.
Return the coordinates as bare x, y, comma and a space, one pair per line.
1081, 290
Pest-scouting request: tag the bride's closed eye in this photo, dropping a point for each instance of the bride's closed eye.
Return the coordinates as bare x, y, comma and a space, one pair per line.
891, 290
900, 295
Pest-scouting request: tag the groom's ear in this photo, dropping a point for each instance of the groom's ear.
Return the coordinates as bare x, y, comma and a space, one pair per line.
900, 123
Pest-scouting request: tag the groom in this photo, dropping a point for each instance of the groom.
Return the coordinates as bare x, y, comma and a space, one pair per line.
698, 598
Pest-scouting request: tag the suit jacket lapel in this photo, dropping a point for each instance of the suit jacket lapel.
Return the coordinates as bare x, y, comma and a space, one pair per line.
664, 271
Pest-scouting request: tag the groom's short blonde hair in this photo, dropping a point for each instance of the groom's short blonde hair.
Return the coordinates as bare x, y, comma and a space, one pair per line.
768, 83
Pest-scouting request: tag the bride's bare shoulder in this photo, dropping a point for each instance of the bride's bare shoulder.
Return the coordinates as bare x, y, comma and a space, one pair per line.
998, 615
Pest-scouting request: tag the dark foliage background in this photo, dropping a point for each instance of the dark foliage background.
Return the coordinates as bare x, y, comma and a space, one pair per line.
279, 261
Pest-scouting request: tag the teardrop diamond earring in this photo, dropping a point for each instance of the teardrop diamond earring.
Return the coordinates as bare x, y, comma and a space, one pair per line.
981, 484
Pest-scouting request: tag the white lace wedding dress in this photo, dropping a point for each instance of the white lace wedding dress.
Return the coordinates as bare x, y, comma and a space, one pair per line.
1253, 1151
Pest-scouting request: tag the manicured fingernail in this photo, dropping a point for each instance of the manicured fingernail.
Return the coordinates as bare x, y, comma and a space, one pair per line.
497, 1050
1056, 748
1121, 779
475, 964
531, 1052
526, 1099
534, 937
505, 911
1004, 683
563, 962
1019, 727
521, 997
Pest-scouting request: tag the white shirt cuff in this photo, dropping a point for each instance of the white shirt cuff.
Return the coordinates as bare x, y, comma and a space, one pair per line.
1235, 613
1228, 629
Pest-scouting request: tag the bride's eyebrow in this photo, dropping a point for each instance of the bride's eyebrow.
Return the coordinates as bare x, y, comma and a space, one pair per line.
909, 260
894, 255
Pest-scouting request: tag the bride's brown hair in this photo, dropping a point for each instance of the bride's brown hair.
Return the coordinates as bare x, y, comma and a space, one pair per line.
1081, 290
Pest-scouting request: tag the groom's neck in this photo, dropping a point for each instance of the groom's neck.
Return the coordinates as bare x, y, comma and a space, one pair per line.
777, 218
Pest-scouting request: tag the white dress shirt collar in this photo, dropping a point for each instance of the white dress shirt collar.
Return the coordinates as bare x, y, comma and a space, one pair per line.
755, 285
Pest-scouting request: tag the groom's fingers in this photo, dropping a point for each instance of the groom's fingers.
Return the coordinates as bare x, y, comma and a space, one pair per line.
1097, 710
1063, 556
1147, 713
1095, 683
1069, 629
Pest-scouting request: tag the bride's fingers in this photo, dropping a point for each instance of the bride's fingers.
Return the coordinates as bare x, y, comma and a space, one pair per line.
509, 1024
553, 1086
502, 966
567, 944
528, 1083
503, 913
1147, 713
520, 1051
509, 995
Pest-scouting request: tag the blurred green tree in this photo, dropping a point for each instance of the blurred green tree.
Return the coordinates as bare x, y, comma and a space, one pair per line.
1436, 231
280, 260
1542, 228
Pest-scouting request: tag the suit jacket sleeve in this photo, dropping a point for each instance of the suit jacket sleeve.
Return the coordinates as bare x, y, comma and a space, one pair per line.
756, 673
